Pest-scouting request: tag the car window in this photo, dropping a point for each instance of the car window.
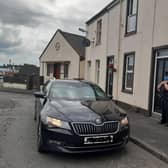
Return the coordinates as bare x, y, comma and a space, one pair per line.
99, 92
64, 90
87, 92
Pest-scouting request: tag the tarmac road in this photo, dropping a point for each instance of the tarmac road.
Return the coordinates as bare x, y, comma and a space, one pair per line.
18, 143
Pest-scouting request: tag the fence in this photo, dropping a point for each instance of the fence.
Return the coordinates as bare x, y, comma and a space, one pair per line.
22, 81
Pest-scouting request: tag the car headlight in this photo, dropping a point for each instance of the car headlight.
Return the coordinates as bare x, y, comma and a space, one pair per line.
124, 121
53, 122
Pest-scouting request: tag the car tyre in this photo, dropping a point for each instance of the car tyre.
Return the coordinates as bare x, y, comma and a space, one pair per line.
40, 140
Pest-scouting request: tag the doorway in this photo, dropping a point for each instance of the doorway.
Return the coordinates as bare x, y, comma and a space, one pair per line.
109, 76
161, 67
57, 68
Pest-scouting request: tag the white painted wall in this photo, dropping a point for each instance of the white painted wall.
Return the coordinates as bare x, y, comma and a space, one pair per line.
161, 23
97, 52
141, 43
151, 32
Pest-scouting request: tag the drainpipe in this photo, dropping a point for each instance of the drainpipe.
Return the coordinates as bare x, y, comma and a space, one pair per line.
152, 87
154, 21
107, 38
119, 47
79, 68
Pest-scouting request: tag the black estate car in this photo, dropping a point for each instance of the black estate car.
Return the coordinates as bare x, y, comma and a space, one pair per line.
76, 116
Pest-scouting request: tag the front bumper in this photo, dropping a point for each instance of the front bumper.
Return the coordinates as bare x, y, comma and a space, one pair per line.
66, 141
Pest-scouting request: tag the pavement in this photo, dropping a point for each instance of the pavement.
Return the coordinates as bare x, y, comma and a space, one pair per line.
149, 134
146, 131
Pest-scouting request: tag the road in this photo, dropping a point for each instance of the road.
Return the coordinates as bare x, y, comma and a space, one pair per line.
18, 143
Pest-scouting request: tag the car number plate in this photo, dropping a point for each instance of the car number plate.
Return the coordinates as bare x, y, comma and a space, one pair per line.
98, 140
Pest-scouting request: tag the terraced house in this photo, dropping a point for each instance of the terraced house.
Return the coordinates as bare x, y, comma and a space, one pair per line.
128, 55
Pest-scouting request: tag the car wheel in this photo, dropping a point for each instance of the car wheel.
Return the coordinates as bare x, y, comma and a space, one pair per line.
40, 140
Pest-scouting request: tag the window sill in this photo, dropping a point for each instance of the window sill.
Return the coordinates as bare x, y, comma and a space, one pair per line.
98, 44
127, 91
130, 33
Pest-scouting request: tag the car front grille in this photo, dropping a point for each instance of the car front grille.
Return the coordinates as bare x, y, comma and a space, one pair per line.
87, 128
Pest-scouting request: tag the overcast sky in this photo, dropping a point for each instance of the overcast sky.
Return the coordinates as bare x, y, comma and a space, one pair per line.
26, 26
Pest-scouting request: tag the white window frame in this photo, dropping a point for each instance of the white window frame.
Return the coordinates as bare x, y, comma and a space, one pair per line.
127, 71
66, 68
99, 32
131, 20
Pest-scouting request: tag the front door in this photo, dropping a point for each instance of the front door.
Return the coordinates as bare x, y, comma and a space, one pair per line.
161, 69
57, 68
109, 76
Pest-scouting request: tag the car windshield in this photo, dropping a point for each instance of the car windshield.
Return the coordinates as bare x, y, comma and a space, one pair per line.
76, 91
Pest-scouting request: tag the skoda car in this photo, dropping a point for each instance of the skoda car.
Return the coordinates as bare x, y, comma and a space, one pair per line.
76, 117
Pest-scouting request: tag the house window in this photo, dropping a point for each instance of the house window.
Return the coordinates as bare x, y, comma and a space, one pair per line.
128, 74
66, 66
131, 20
49, 69
97, 71
99, 31
88, 70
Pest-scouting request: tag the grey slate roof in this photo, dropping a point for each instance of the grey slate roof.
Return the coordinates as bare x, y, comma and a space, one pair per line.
75, 41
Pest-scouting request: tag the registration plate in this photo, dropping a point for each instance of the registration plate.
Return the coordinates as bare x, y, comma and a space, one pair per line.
98, 140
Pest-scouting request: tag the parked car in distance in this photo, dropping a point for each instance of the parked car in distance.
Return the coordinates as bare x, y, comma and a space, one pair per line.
76, 117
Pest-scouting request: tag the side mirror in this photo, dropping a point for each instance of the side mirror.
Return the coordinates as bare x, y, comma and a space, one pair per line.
39, 95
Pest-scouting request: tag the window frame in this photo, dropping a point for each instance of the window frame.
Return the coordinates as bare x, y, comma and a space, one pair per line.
89, 64
99, 32
126, 71
66, 70
49, 69
130, 14
97, 71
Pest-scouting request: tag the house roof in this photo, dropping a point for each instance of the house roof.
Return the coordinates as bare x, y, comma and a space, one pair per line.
103, 11
75, 41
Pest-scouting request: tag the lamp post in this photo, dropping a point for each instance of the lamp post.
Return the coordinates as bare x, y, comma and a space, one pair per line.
83, 30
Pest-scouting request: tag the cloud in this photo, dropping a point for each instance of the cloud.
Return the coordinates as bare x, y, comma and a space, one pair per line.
10, 38
18, 13
26, 26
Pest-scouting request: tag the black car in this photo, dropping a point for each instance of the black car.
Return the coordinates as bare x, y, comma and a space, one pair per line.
77, 116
